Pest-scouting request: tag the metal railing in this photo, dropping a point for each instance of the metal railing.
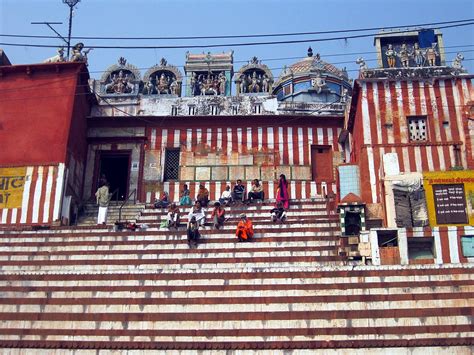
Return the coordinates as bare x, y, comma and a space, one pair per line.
116, 194
134, 193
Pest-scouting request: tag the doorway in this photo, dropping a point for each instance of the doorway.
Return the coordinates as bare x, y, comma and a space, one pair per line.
115, 166
321, 163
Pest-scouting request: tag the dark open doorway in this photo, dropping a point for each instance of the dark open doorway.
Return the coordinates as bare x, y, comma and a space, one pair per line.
115, 166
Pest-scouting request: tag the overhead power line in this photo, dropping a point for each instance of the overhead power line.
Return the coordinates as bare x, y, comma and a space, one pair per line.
250, 35
216, 45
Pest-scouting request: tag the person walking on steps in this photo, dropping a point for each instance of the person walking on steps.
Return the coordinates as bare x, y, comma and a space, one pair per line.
103, 198
282, 192
244, 230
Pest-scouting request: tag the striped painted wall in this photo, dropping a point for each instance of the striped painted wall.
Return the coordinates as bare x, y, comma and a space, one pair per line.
297, 189
385, 106
447, 243
42, 196
292, 142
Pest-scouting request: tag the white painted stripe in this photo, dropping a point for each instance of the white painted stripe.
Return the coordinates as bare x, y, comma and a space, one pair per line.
402, 120
176, 192
331, 137
388, 111
303, 189
411, 98
300, 146
429, 158
370, 158
418, 164
37, 195
26, 194
164, 139
209, 136
467, 98
219, 139
421, 86
313, 189
406, 160
153, 138
4, 216
280, 143
377, 118
14, 215
270, 140
437, 131
271, 190
177, 143
324, 189
199, 135
320, 136
249, 138
58, 194
260, 138
47, 199
365, 116
459, 121
453, 244
189, 138
446, 118
166, 187
290, 146
239, 140
218, 190
310, 142
293, 189
229, 141
148, 197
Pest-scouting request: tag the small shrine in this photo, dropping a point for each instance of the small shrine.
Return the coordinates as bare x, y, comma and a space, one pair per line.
162, 79
254, 78
209, 74
120, 79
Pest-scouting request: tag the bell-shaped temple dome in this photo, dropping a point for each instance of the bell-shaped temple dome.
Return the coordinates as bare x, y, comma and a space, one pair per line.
120, 79
162, 79
254, 78
312, 80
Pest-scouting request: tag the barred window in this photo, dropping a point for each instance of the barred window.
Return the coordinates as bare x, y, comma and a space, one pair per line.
417, 128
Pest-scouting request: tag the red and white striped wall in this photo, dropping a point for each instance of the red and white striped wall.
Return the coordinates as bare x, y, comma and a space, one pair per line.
291, 142
385, 106
447, 243
297, 189
42, 197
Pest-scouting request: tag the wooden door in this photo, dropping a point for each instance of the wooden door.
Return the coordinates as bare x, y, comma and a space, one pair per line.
321, 163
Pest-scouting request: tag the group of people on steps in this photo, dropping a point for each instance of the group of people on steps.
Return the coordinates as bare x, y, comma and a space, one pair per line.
197, 215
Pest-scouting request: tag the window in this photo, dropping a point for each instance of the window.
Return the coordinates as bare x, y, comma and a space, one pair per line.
235, 109
467, 242
420, 249
214, 110
191, 110
257, 109
417, 128
174, 110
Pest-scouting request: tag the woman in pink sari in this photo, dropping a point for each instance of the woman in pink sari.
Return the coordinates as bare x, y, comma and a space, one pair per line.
282, 192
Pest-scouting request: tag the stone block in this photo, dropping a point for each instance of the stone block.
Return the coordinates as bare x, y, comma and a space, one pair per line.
283, 169
200, 160
252, 172
245, 159
203, 173
186, 173
301, 173
152, 168
187, 158
219, 173
236, 172
267, 173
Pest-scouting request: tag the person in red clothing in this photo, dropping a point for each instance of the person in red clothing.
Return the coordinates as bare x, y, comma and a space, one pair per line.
244, 230
218, 215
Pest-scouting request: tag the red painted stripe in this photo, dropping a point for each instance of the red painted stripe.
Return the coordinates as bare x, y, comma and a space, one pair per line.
424, 158
409, 232
159, 139
382, 110
285, 146
439, 103
295, 146
264, 139
443, 234
235, 144
406, 113
170, 138
372, 115
306, 158
276, 140
214, 139
212, 190
431, 127
224, 142
416, 95
453, 123
396, 124
244, 140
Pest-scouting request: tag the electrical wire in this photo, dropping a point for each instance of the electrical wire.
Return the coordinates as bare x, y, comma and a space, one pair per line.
214, 45
382, 28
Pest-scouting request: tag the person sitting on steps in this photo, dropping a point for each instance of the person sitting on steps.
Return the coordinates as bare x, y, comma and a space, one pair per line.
198, 213
203, 195
173, 216
193, 232
185, 200
226, 196
257, 191
244, 230
238, 193
218, 215
163, 202
278, 213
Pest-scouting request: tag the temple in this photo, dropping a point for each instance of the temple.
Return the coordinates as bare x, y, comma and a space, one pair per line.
377, 251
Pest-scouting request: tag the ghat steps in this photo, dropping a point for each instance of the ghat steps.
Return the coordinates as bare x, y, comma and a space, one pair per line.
92, 288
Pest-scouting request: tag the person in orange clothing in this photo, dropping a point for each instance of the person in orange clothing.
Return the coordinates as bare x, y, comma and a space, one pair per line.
244, 230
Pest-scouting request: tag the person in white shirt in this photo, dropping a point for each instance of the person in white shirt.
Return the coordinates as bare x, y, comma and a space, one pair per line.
226, 196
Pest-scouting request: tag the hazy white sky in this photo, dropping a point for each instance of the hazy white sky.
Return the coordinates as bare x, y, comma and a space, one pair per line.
151, 18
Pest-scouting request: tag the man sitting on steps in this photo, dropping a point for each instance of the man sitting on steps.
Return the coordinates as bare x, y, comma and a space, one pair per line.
244, 230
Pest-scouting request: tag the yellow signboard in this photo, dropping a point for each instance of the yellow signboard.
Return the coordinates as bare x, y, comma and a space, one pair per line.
12, 181
450, 197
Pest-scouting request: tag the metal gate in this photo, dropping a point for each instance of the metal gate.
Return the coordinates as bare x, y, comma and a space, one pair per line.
171, 164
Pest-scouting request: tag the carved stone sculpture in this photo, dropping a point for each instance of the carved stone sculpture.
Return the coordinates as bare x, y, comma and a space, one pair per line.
78, 55
119, 84
431, 54
222, 83
404, 56
174, 87
162, 84
391, 56
254, 84
243, 84
418, 54
318, 83
58, 58
149, 88
362, 65
457, 61
265, 83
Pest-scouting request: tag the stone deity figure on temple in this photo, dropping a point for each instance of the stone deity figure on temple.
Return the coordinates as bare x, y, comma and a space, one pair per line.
457, 61
418, 54
222, 83
404, 56
265, 83
243, 84
318, 83
78, 55
148, 87
431, 54
391, 56
174, 88
162, 85
254, 86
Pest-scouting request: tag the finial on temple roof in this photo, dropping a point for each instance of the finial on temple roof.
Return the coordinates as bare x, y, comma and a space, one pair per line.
122, 61
163, 62
310, 52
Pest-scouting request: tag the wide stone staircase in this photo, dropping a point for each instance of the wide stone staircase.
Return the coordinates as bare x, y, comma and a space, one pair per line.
288, 291
128, 212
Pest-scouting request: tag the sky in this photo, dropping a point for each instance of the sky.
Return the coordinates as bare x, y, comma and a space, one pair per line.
153, 18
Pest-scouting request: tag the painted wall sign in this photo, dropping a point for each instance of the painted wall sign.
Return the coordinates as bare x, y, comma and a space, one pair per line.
12, 181
450, 203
